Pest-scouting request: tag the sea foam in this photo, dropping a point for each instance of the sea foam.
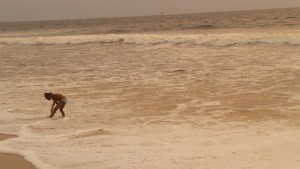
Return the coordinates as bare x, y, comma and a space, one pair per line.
210, 40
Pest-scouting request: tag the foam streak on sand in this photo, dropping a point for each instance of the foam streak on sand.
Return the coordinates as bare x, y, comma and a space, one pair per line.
15, 158
10, 160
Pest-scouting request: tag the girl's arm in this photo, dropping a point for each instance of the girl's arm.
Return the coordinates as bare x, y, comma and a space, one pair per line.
52, 108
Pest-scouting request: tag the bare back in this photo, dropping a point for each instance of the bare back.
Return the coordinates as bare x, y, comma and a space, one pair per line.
56, 97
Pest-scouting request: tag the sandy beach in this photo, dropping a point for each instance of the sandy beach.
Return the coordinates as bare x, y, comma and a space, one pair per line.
11, 161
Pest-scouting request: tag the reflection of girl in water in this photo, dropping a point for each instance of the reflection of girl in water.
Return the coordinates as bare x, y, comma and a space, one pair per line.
58, 99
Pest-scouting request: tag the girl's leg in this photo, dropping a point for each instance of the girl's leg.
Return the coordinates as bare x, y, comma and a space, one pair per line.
62, 105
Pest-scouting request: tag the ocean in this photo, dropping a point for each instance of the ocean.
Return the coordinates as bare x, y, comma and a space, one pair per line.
209, 90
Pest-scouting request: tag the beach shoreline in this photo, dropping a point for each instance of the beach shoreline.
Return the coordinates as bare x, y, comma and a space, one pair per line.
12, 160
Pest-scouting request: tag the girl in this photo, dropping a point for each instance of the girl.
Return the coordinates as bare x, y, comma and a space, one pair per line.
58, 99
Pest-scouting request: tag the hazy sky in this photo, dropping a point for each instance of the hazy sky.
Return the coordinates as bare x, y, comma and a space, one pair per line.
24, 10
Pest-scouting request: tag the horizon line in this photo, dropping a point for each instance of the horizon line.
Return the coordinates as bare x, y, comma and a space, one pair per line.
162, 13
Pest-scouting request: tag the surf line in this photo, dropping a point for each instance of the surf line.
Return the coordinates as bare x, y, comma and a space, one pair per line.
13, 160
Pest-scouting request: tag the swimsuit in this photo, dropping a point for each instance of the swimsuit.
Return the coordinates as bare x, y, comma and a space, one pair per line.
64, 100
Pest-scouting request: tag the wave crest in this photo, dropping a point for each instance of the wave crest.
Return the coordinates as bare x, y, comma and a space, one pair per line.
211, 40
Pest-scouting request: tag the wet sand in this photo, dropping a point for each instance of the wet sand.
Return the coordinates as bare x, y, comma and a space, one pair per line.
11, 161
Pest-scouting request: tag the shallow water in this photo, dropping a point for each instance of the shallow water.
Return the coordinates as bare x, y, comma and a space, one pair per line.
175, 99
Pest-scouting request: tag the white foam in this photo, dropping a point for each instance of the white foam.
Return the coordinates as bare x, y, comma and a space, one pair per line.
29, 155
20, 128
217, 40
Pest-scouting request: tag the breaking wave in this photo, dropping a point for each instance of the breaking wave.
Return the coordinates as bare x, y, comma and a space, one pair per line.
210, 40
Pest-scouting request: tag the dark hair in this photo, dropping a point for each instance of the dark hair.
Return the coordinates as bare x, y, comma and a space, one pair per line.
47, 94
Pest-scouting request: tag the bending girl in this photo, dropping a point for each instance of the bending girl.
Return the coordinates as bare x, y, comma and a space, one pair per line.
59, 100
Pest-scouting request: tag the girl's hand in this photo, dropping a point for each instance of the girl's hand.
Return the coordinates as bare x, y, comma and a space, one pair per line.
51, 113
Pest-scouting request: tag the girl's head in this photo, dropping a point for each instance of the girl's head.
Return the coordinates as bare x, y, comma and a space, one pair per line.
48, 95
